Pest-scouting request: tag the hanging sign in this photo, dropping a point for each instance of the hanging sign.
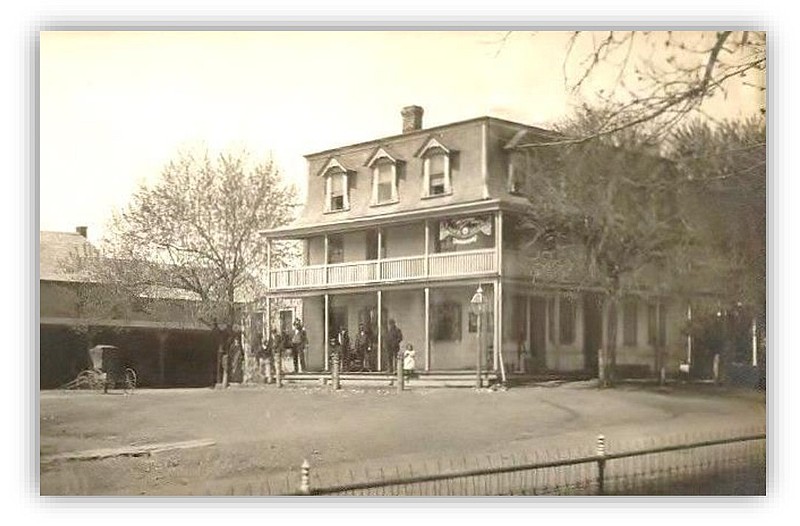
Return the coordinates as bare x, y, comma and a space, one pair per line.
464, 231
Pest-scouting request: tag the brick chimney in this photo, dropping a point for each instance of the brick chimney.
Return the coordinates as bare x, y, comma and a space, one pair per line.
82, 230
412, 118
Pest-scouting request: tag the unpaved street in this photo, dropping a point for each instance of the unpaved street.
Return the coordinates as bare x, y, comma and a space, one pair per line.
263, 434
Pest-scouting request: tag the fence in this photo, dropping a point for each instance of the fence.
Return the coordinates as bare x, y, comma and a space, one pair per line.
715, 466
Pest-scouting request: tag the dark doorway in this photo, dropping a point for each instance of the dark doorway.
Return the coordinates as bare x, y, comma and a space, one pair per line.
538, 327
592, 330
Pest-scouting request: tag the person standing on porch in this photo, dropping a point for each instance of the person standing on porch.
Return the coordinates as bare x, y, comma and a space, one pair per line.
299, 341
409, 361
363, 348
393, 338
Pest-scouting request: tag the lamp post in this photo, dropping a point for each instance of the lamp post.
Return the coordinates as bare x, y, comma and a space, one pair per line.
476, 305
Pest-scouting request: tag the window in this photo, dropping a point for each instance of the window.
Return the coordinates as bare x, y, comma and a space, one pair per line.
652, 324
336, 192
656, 324
385, 182
384, 177
336, 187
437, 184
566, 316
446, 321
436, 162
630, 322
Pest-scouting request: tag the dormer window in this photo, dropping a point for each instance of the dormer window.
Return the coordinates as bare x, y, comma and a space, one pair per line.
384, 177
437, 178
336, 187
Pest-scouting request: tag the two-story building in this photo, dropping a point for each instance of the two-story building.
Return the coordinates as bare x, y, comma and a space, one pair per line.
407, 227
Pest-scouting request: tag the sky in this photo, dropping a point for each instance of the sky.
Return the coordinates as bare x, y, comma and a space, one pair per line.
115, 107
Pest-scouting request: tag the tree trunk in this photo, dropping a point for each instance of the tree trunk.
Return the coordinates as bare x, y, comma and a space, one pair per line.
610, 346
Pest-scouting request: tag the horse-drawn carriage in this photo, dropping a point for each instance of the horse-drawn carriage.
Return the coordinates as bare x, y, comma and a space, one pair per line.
110, 370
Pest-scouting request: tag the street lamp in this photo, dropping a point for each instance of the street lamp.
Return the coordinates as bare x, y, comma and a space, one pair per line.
476, 305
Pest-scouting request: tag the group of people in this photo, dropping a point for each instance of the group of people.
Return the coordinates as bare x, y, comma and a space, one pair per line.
279, 343
360, 357
363, 355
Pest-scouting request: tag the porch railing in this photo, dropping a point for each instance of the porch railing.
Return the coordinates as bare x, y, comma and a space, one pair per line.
442, 265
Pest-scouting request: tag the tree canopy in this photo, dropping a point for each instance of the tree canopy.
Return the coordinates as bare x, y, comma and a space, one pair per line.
193, 234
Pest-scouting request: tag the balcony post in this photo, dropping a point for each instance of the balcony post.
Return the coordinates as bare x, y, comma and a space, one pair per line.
427, 328
499, 242
380, 244
326, 332
380, 328
427, 245
325, 244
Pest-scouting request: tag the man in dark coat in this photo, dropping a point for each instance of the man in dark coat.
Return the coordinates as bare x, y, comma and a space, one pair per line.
393, 338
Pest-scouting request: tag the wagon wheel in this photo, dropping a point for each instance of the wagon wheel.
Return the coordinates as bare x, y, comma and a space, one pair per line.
89, 379
130, 380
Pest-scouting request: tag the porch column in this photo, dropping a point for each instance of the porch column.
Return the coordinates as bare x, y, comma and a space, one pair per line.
380, 328
326, 332
754, 331
427, 246
499, 243
498, 323
427, 328
689, 336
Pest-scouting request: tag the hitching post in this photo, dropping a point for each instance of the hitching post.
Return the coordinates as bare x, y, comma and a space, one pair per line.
335, 363
305, 470
601, 463
401, 380
278, 368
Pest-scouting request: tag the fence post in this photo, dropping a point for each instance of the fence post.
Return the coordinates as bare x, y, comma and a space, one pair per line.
335, 363
278, 368
601, 464
305, 470
400, 373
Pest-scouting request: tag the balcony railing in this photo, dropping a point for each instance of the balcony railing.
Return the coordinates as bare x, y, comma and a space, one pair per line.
410, 268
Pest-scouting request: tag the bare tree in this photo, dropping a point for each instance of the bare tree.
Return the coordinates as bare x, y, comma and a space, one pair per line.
192, 237
614, 198
664, 76
659, 77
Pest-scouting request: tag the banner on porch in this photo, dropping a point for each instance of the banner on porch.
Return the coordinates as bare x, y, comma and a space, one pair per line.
464, 231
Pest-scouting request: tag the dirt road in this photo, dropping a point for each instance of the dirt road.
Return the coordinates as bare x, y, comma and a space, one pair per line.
263, 434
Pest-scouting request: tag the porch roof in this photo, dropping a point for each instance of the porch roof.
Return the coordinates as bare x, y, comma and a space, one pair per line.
299, 230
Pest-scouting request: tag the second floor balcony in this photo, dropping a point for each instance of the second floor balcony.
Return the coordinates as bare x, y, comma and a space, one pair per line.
437, 266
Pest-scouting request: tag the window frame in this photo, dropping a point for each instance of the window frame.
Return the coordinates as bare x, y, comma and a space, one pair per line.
435, 148
447, 186
329, 175
630, 323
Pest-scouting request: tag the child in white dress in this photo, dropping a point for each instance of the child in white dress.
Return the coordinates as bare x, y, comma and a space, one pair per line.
409, 360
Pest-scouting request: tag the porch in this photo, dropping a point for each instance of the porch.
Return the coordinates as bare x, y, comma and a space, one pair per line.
417, 268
